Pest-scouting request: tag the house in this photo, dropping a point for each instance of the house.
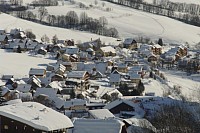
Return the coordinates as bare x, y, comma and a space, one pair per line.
38, 72
115, 78
84, 56
82, 75
134, 124
50, 92
130, 43
122, 67
72, 50
54, 84
125, 108
152, 58
57, 77
60, 69
34, 81
98, 126
136, 68
100, 114
24, 88
176, 53
134, 77
32, 117
106, 51
156, 49
3, 39
2, 32
90, 51
7, 77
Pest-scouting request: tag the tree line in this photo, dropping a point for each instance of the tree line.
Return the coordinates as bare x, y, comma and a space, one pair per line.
70, 20
188, 13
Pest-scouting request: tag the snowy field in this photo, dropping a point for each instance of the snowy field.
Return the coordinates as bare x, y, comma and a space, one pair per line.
133, 23
9, 22
189, 87
19, 64
180, 1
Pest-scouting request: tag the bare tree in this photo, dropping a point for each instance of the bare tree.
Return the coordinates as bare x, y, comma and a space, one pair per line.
42, 13
45, 38
83, 18
55, 39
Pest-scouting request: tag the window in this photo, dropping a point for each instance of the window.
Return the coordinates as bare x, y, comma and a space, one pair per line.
5, 126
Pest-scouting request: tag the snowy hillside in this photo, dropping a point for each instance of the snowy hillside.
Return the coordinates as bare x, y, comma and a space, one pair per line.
133, 23
9, 22
181, 1
20, 64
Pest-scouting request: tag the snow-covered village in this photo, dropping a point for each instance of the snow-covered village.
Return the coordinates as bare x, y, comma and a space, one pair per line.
108, 66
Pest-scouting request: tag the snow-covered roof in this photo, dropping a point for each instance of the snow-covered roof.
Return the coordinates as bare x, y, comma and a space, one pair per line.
74, 102
89, 50
51, 92
76, 74
36, 115
37, 71
136, 68
72, 50
97, 126
116, 78
2, 37
23, 87
101, 113
108, 49
134, 75
54, 84
128, 40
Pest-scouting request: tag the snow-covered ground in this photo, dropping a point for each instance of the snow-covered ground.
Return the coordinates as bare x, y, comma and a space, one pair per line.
180, 1
19, 64
153, 86
188, 87
9, 22
133, 23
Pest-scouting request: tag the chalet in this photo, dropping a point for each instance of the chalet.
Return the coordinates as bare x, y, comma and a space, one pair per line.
134, 124
152, 58
23, 88
90, 51
60, 69
7, 77
130, 43
50, 92
135, 77
34, 81
57, 77
176, 53
38, 72
115, 78
125, 108
3, 39
82, 75
136, 68
54, 84
106, 51
98, 126
31, 117
68, 65
156, 49
84, 56
122, 67
17, 33
2, 32
72, 50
